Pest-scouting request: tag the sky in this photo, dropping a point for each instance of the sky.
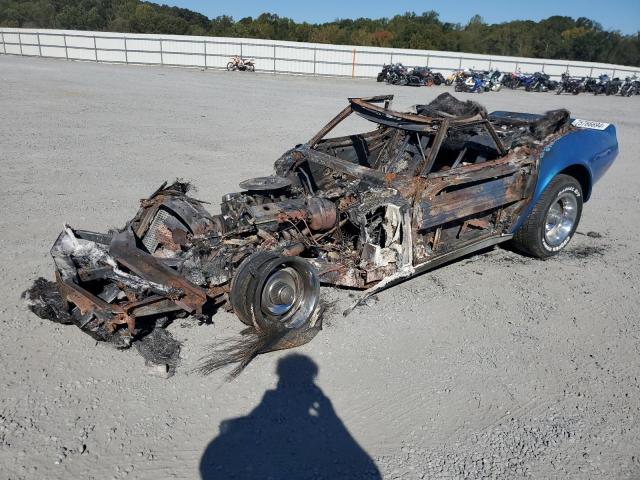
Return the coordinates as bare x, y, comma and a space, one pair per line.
623, 15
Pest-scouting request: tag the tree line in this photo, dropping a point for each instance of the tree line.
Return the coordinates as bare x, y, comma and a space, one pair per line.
556, 37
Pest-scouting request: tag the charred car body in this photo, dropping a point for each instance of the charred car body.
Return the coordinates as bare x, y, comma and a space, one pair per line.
363, 211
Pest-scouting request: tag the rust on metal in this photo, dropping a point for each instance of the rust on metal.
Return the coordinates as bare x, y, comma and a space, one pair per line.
364, 210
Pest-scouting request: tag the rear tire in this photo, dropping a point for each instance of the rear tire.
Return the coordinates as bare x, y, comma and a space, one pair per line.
231, 66
554, 219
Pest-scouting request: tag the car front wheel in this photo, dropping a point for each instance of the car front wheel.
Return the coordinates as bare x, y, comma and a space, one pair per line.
272, 292
553, 220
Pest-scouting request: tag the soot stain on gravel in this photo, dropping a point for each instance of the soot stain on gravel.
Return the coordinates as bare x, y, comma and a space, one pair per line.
159, 347
591, 234
586, 251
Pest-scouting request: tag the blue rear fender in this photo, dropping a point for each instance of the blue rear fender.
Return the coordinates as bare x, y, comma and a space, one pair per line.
585, 154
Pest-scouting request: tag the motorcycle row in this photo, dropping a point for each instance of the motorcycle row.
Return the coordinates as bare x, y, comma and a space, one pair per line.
398, 74
603, 85
478, 81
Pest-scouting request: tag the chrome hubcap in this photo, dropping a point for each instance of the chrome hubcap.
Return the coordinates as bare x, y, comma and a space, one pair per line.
281, 291
560, 219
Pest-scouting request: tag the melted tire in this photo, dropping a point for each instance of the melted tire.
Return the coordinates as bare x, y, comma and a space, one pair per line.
530, 237
244, 283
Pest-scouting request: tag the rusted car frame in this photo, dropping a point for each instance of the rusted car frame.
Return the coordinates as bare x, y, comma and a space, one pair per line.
364, 211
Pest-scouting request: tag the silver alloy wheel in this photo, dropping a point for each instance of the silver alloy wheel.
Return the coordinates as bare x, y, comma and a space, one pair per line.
560, 219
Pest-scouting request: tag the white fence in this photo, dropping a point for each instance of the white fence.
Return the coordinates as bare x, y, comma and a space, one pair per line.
271, 56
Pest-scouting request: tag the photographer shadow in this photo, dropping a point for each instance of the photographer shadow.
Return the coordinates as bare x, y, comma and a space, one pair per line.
294, 433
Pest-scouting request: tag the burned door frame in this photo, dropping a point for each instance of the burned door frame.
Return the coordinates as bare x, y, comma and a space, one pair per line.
480, 201
469, 203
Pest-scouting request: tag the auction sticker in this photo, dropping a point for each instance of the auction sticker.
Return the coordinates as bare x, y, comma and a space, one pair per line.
589, 124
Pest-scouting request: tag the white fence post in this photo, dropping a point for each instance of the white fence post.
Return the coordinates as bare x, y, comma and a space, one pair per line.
205, 54
274, 59
95, 48
39, 46
315, 54
4, 45
353, 64
20, 42
66, 50
126, 54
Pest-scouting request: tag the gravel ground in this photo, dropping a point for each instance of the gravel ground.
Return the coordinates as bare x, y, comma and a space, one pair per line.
495, 366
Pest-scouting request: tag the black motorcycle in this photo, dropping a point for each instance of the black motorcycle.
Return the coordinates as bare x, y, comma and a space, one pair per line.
613, 86
599, 86
540, 82
512, 80
570, 85
397, 74
631, 86
384, 74
423, 76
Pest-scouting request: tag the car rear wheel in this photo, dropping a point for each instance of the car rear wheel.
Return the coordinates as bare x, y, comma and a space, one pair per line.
269, 292
553, 220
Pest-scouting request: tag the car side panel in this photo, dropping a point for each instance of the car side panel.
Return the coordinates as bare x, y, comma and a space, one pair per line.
595, 150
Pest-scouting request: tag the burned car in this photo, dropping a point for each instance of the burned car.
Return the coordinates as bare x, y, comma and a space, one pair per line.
363, 211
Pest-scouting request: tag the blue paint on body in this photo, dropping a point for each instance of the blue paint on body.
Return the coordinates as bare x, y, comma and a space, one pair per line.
592, 150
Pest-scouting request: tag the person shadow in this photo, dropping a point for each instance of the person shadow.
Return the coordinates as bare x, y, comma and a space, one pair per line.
294, 433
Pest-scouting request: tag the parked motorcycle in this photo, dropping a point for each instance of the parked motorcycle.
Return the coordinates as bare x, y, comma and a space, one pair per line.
631, 86
384, 74
476, 83
494, 80
512, 80
241, 64
397, 74
571, 84
423, 76
539, 82
451, 79
598, 86
613, 86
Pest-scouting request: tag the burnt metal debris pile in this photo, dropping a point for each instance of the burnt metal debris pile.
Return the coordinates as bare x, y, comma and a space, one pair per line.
362, 211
